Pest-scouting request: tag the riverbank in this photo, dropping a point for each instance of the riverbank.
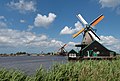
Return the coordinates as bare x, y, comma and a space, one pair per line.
28, 54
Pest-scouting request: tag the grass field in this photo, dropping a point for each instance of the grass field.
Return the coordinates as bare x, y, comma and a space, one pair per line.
89, 70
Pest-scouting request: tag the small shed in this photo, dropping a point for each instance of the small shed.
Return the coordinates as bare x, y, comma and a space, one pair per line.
72, 54
96, 49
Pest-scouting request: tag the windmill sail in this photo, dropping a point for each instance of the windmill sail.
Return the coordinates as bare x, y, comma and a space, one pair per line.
81, 19
97, 20
79, 32
94, 36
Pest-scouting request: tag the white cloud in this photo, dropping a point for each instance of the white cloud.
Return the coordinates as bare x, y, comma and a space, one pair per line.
56, 43
3, 24
115, 4
109, 3
20, 38
23, 40
41, 38
118, 10
43, 20
110, 42
23, 6
72, 43
30, 27
22, 21
2, 17
15, 40
68, 30
15, 37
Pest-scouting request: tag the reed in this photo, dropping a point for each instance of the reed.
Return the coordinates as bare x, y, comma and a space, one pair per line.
90, 70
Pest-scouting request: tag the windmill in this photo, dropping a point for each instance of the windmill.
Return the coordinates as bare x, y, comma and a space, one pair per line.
90, 46
88, 34
62, 50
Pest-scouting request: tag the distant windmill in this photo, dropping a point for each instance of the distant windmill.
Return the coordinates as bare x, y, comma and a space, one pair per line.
62, 50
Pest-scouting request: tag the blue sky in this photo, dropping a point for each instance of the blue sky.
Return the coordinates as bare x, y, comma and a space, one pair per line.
41, 25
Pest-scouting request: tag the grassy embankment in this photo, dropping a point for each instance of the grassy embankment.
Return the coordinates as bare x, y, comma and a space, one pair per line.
91, 70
